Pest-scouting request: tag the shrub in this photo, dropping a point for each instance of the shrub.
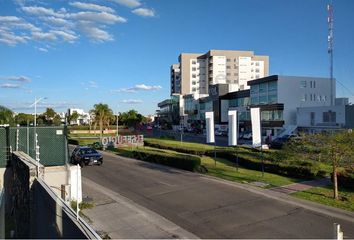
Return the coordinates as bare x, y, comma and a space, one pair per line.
345, 179
175, 146
73, 141
182, 161
296, 169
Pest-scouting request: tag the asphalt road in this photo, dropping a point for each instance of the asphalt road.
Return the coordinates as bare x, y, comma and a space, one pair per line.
207, 208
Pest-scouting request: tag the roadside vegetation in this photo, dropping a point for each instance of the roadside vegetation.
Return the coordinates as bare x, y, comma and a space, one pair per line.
324, 195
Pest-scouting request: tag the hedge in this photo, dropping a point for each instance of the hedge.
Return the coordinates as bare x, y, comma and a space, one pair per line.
181, 161
296, 169
175, 147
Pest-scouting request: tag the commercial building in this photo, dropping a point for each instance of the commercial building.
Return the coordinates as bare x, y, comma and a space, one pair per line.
279, 98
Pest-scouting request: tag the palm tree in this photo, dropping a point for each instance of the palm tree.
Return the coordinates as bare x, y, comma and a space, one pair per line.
6, 115
102, 115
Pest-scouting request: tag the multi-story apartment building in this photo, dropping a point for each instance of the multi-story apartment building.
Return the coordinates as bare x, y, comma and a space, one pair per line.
175, 79
197, 71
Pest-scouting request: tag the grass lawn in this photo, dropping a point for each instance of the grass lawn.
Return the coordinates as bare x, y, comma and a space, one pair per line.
324, 195
175, 143
227, 170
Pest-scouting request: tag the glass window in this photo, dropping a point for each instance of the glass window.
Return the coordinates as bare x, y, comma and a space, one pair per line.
262, 87
278, 115
314, 84
254, 100
228, 60
272, 98
254, 89
263, 99
303, 84
272, 86
194, 75
194, 69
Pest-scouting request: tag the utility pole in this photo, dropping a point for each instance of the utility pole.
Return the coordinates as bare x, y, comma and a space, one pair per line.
330, 47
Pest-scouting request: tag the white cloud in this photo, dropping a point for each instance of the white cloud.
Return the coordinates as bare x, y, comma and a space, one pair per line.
91, 6
147, 88
101, 17
58, 21
128, 3
131, 101
44, 36
144, 12
42, 11
136, 88
42, 49
67, 36
16, 78
9, 85
94, 33
11, 39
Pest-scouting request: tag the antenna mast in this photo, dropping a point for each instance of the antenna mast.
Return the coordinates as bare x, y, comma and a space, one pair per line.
330, 46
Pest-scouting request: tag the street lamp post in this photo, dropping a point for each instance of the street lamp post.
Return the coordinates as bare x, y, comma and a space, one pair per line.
117, 122
35, 108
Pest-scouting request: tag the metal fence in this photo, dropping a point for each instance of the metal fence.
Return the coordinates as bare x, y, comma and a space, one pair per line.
51, 140
3, 147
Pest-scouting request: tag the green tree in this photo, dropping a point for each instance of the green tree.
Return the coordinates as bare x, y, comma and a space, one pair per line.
57, 120
23, 119
102, 115
336, 149
49, 114
73, 117
6, 116
131, 118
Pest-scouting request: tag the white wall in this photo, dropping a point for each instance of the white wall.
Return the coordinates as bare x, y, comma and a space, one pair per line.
219, 69
291, 94
304, 115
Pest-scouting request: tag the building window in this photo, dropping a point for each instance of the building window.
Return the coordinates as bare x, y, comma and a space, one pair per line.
310, 84
257, 76
254, 89
228, 60
254, 100
228, 74
194, 75
329, 117
257, 64
263, 88
228, 67
263, 99
193, 82
257, 70
314, 84
304, 97
194, 89
272, 86
303, 84
194, 62
272, 98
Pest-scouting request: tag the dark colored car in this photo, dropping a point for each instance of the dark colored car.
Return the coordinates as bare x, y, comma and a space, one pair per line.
86, 156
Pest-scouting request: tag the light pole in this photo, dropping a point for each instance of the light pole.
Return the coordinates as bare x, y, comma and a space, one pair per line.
117, 122
35, 108
35, 122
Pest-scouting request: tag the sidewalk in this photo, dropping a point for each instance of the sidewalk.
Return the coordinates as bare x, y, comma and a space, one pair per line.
302, 186
121, 218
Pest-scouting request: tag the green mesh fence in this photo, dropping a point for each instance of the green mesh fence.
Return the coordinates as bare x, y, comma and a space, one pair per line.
51, 141
2, 147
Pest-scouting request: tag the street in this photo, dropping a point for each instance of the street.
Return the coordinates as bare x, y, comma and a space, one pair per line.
207, 208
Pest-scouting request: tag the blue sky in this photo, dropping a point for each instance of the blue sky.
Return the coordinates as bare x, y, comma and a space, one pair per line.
78, 53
